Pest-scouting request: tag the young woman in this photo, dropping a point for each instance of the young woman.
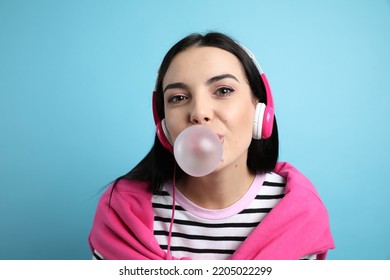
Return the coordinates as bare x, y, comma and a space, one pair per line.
249, 207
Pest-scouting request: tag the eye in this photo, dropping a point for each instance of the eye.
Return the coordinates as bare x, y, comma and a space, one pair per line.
177, 98
224, 91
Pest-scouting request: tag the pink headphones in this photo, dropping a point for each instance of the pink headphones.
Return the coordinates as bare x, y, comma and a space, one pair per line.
262, 123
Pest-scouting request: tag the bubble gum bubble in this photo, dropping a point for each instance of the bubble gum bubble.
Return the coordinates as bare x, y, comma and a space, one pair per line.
197, 150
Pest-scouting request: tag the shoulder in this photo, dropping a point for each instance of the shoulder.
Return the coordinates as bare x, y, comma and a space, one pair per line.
122, 202
295, 180
123, 211
298, 187
126, 189
303, 205
122, 195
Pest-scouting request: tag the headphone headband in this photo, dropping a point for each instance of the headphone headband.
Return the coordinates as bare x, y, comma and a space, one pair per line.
252, 56
270, 101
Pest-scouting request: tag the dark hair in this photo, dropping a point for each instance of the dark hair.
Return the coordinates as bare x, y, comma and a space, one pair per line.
158, 165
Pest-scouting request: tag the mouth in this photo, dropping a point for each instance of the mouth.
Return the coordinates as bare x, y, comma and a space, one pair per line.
220, 136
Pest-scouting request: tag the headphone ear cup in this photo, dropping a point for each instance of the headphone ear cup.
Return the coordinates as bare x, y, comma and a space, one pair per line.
166, 132
268, 122
258, 121
164, 136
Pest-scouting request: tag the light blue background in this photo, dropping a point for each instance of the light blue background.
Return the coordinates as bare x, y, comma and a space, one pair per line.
76, 79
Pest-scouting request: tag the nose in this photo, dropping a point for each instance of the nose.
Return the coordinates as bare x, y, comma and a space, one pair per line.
201, 111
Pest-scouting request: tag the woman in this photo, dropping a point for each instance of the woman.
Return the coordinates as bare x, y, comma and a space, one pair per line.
249, 207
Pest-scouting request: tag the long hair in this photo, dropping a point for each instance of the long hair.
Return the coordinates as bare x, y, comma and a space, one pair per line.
158, 165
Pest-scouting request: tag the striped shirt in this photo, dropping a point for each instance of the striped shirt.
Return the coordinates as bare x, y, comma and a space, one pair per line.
200, 233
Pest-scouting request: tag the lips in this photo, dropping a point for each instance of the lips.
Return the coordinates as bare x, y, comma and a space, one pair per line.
220, 136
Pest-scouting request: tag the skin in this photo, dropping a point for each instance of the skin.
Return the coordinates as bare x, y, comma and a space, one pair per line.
208, 86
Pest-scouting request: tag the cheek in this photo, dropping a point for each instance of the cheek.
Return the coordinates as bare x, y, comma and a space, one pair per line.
173, 125
241, 120
239, 136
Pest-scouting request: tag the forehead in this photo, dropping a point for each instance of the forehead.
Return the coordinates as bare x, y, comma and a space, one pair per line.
202, 62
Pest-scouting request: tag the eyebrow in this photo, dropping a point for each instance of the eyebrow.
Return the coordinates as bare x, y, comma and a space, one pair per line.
221, 77
175, 85
209, 82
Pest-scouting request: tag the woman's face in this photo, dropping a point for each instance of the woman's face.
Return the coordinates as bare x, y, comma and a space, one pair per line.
208, 86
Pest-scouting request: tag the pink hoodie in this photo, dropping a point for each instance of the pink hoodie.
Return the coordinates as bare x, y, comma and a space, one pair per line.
297, 226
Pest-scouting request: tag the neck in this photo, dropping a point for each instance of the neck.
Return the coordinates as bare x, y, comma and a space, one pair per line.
219, 189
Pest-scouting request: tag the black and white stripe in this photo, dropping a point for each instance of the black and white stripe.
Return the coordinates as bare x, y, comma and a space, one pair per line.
200, 238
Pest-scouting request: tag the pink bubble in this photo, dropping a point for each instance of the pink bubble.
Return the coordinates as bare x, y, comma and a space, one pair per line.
197, 150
